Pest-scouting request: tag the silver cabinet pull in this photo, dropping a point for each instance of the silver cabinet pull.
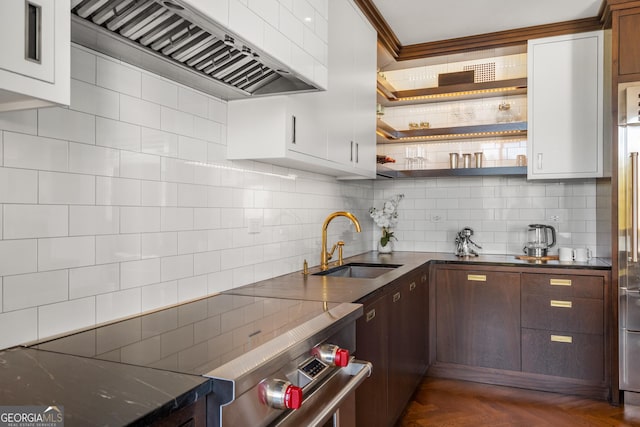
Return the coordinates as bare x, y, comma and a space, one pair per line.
351, 159
539, 160
634, 207
293, 129
357, 153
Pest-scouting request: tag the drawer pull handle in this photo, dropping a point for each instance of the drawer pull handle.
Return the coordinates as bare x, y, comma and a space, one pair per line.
560, 282
396, 297
371, 314
477, 277
562, 338
561, 304
424, 278
412, 286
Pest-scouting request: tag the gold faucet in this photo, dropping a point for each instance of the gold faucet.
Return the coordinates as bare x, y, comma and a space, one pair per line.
324, 255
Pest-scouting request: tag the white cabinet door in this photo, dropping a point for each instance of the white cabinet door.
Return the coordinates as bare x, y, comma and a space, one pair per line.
35, 60
565, 106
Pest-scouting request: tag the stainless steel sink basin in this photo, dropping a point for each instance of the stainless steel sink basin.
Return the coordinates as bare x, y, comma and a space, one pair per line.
359, 270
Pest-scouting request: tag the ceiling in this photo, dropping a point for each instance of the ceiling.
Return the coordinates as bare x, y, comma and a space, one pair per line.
419, 21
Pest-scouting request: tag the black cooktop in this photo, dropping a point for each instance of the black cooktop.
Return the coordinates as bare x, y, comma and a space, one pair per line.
194, 337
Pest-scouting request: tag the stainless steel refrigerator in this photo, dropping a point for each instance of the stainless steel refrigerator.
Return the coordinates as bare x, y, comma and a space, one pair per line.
629, 239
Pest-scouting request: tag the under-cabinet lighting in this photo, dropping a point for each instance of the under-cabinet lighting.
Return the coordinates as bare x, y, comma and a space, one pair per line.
237, 169
456, 94
456, 135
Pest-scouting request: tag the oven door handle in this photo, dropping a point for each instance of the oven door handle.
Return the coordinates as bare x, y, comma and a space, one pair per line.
314, 410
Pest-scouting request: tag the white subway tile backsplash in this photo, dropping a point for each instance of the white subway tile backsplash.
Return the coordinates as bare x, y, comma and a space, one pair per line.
207, 262
91, 99
66, 188
159, 295
116, 134
117, 191
192, 287
190, 195
246, 23
139, 273
176, 170
192, 102
190, 242
65, 316
314, 45
176, 267
192, 149
266, 9
92, 220
18, 256
158, 142
31, 221
62, 123
217, 110
93, 280
206, 218
207, 130
176, 219
176, 121
118, 304
17, 327
139, 165
23, 121
159, 244
139, 112
159, 91
33, 152
158, 193
90, 159
115, 248
139, 219
83, 65
66, 252
18, 186
118, 77
32, 290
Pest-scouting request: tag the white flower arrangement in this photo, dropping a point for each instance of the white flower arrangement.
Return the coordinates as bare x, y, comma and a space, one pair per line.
386, 218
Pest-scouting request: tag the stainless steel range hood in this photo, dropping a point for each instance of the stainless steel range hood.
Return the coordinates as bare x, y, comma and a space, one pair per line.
173, 40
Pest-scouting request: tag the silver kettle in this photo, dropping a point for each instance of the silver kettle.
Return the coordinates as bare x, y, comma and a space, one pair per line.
538, 240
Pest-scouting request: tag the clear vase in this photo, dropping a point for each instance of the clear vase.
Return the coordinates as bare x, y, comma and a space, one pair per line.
386, 249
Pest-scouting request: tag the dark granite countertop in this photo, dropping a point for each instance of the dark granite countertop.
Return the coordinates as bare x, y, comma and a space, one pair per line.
95, 392
336, 289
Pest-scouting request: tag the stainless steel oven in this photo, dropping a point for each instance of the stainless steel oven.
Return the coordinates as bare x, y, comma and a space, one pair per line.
271, 361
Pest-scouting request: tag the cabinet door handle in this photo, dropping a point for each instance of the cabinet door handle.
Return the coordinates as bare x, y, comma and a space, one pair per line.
562, 338
396, 297
560, 304
634, 207
412, 286
477, 277
560, 282
423, 278
539, 160
357, 153
370, 315
33, 30
293, 129
351, 158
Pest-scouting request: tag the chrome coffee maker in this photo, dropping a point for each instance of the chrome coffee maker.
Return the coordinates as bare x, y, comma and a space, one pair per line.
538, 240
464, 243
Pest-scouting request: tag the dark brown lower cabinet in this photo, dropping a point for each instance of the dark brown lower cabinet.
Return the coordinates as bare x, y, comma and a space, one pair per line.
547, 329
478, 318
393, 335
193, 415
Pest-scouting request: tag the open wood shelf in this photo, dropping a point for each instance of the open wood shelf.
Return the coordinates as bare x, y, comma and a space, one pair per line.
425, 173
389, 97
386, 134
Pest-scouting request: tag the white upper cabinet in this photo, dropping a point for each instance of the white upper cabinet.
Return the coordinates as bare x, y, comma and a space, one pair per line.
331, 132
565, 106
35, 60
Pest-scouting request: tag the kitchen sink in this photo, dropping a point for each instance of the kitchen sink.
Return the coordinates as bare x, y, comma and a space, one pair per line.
359, 270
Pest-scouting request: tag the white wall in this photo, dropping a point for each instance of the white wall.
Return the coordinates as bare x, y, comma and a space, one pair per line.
123, 203
499, 209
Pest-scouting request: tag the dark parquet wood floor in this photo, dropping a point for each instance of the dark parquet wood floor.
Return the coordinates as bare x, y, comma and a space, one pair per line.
450, 403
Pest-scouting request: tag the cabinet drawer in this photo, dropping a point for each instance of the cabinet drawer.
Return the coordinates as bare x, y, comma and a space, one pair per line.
563, 285
560, 354
581, 315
